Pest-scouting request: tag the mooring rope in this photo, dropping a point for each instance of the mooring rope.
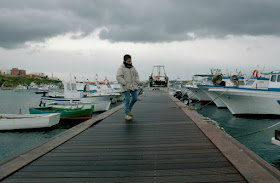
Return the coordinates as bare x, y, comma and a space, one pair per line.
257, 131
193, 94
212, 100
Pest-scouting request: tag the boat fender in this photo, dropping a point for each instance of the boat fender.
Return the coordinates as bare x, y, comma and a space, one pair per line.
255, 74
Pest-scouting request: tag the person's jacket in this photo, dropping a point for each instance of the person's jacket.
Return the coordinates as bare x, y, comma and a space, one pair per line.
128, 78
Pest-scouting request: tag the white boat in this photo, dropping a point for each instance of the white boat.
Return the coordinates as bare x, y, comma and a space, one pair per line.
21, 88
72, 96
196, 93
101, 89
215, 98
252, 102
276, 139
178, 84
228, 81
99, 105
28, 121
43, 88
190, 93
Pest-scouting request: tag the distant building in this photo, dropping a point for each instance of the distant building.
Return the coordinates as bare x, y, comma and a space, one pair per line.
36, 75
5, 72
55, 78
17, 72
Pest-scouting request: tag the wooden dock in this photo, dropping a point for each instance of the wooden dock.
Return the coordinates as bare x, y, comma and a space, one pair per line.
165, 142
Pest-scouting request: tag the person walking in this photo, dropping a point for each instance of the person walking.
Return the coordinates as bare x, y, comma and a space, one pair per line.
128, 78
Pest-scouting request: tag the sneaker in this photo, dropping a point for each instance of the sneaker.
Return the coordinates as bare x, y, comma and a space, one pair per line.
130, 113
127, 117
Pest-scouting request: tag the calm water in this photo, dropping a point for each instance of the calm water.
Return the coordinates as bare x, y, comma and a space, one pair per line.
13, 143
260, 143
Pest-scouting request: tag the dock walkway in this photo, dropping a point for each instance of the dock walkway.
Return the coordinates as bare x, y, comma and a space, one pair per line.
165, 142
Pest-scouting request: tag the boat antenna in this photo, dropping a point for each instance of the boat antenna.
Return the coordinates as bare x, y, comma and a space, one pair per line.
263, 69
70, 82
153, 70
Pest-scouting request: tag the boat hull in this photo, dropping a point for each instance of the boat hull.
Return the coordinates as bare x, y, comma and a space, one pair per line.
251, 103
28, 121
215, 98
78, 115
200, 94
191, 95
101, 104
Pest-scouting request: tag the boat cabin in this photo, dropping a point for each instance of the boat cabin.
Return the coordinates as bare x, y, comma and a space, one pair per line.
257, 83
274, 81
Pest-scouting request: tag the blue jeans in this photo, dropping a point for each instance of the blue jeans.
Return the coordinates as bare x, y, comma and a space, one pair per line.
129, 104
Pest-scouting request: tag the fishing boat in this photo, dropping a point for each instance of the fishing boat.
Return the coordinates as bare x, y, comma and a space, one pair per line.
158, 81
70, 95
28, 121
66, 114
21, 88
195, 92
69, 106
253, 102
219, 81
191, 95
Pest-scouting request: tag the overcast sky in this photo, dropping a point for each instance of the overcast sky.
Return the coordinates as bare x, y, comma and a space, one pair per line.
89, 37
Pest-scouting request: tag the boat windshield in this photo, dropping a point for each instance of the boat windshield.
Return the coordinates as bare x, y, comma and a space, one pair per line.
273, 78
278, 79
250, 82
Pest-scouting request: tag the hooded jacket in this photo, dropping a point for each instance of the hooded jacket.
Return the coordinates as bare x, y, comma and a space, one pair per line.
128, 78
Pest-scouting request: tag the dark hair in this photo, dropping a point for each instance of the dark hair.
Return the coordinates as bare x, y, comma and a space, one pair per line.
126, 57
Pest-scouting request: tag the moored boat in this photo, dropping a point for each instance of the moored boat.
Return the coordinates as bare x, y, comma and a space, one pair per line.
196, 92
252, 102
66, 114
223, 81
158, 81
101, 102
70, 106
28, 121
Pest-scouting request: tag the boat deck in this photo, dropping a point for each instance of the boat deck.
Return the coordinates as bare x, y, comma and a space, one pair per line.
165, 142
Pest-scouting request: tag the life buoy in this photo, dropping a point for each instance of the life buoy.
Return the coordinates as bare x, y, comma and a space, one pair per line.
255, 74
106, 81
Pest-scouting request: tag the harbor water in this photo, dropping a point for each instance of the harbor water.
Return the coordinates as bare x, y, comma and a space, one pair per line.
16, 142
259, 143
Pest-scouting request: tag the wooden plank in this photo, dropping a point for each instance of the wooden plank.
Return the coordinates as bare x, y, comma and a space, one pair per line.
178, 152
145, 167
154, 150
132, 161
124, 174
128, 157
127, 148
174, 145
180, 179
131, 141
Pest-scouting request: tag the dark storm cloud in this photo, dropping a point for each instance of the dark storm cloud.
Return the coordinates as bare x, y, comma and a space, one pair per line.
136, 21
